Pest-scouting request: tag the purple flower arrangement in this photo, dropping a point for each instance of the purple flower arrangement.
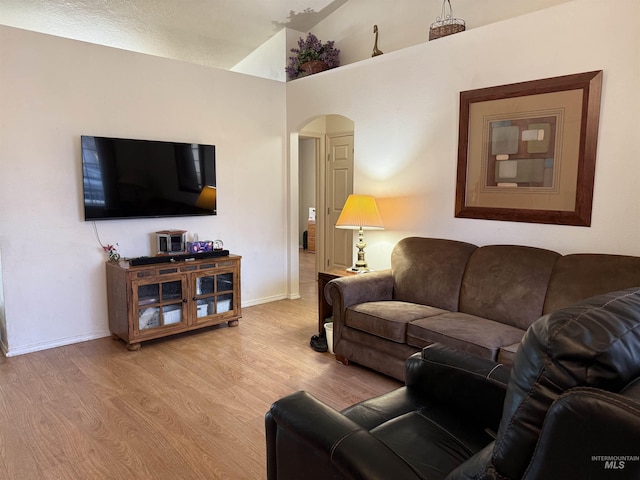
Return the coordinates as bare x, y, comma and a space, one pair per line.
311, 49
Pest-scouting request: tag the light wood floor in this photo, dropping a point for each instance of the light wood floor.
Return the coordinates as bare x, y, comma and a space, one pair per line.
187, 407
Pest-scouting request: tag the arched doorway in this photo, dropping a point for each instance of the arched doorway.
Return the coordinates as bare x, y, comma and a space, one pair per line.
322, 156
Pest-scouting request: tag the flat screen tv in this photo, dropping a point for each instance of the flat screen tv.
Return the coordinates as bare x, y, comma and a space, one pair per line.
126, 178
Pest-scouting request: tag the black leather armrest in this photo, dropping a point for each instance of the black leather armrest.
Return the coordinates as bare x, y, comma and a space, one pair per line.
308, 439
589, 433
474, 385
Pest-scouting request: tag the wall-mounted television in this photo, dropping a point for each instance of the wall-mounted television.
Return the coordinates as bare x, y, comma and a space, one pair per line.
127, 178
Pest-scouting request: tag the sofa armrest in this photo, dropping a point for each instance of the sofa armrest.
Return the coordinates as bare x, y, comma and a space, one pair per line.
471, 384
364, 287
343, 292
588, 433
308, 439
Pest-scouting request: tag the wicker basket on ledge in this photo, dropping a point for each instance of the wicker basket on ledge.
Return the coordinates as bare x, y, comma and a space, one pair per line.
445, 24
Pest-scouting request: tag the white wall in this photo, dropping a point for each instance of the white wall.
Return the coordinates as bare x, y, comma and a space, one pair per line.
267, 60
3, 320
306, 182
52, 90
405, 109
270, 59
406, 23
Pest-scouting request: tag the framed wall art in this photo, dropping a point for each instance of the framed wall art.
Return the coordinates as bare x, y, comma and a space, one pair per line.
527, 151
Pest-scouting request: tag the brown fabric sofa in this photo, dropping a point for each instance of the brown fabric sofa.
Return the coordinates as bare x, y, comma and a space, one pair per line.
480, 300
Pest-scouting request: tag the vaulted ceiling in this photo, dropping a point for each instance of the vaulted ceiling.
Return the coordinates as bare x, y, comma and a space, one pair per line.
218, 33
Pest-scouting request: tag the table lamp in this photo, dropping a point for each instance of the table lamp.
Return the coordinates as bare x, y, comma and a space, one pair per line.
360, 212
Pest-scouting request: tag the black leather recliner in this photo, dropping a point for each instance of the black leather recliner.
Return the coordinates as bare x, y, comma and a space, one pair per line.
569, 409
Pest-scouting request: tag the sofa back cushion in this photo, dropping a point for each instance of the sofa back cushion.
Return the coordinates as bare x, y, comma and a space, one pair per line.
429, 271
507, 283
579, 276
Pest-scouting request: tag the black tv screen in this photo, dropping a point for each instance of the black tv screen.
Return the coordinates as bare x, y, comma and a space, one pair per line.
125, 178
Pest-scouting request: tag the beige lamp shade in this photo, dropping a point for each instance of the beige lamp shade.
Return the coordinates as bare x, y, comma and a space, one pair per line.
207, 198
360, 211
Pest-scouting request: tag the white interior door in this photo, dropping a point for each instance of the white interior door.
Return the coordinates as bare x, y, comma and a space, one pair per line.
339, 185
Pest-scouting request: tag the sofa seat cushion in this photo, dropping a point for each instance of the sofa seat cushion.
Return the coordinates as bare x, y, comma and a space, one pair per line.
387, 319
430, 446
476, 335
507, 354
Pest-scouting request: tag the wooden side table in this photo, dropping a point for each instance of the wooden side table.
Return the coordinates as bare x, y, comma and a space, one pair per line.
324, 309
311, 236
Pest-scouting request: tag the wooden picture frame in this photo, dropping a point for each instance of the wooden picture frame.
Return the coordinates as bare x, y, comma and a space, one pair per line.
527, 151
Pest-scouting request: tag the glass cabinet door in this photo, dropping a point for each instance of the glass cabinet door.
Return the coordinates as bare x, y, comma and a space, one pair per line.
224, 288
159, 304
214, 294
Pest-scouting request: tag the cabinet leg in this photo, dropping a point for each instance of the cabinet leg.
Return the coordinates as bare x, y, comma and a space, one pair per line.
132, 347
233, 323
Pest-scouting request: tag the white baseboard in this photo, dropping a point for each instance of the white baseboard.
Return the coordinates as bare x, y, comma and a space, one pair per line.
259, 301
36, 347
94, 336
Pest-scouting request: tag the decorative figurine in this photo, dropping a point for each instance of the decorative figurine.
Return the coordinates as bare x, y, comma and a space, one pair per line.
376, 50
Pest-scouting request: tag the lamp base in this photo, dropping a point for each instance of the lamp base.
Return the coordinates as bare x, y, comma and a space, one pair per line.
361, 264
